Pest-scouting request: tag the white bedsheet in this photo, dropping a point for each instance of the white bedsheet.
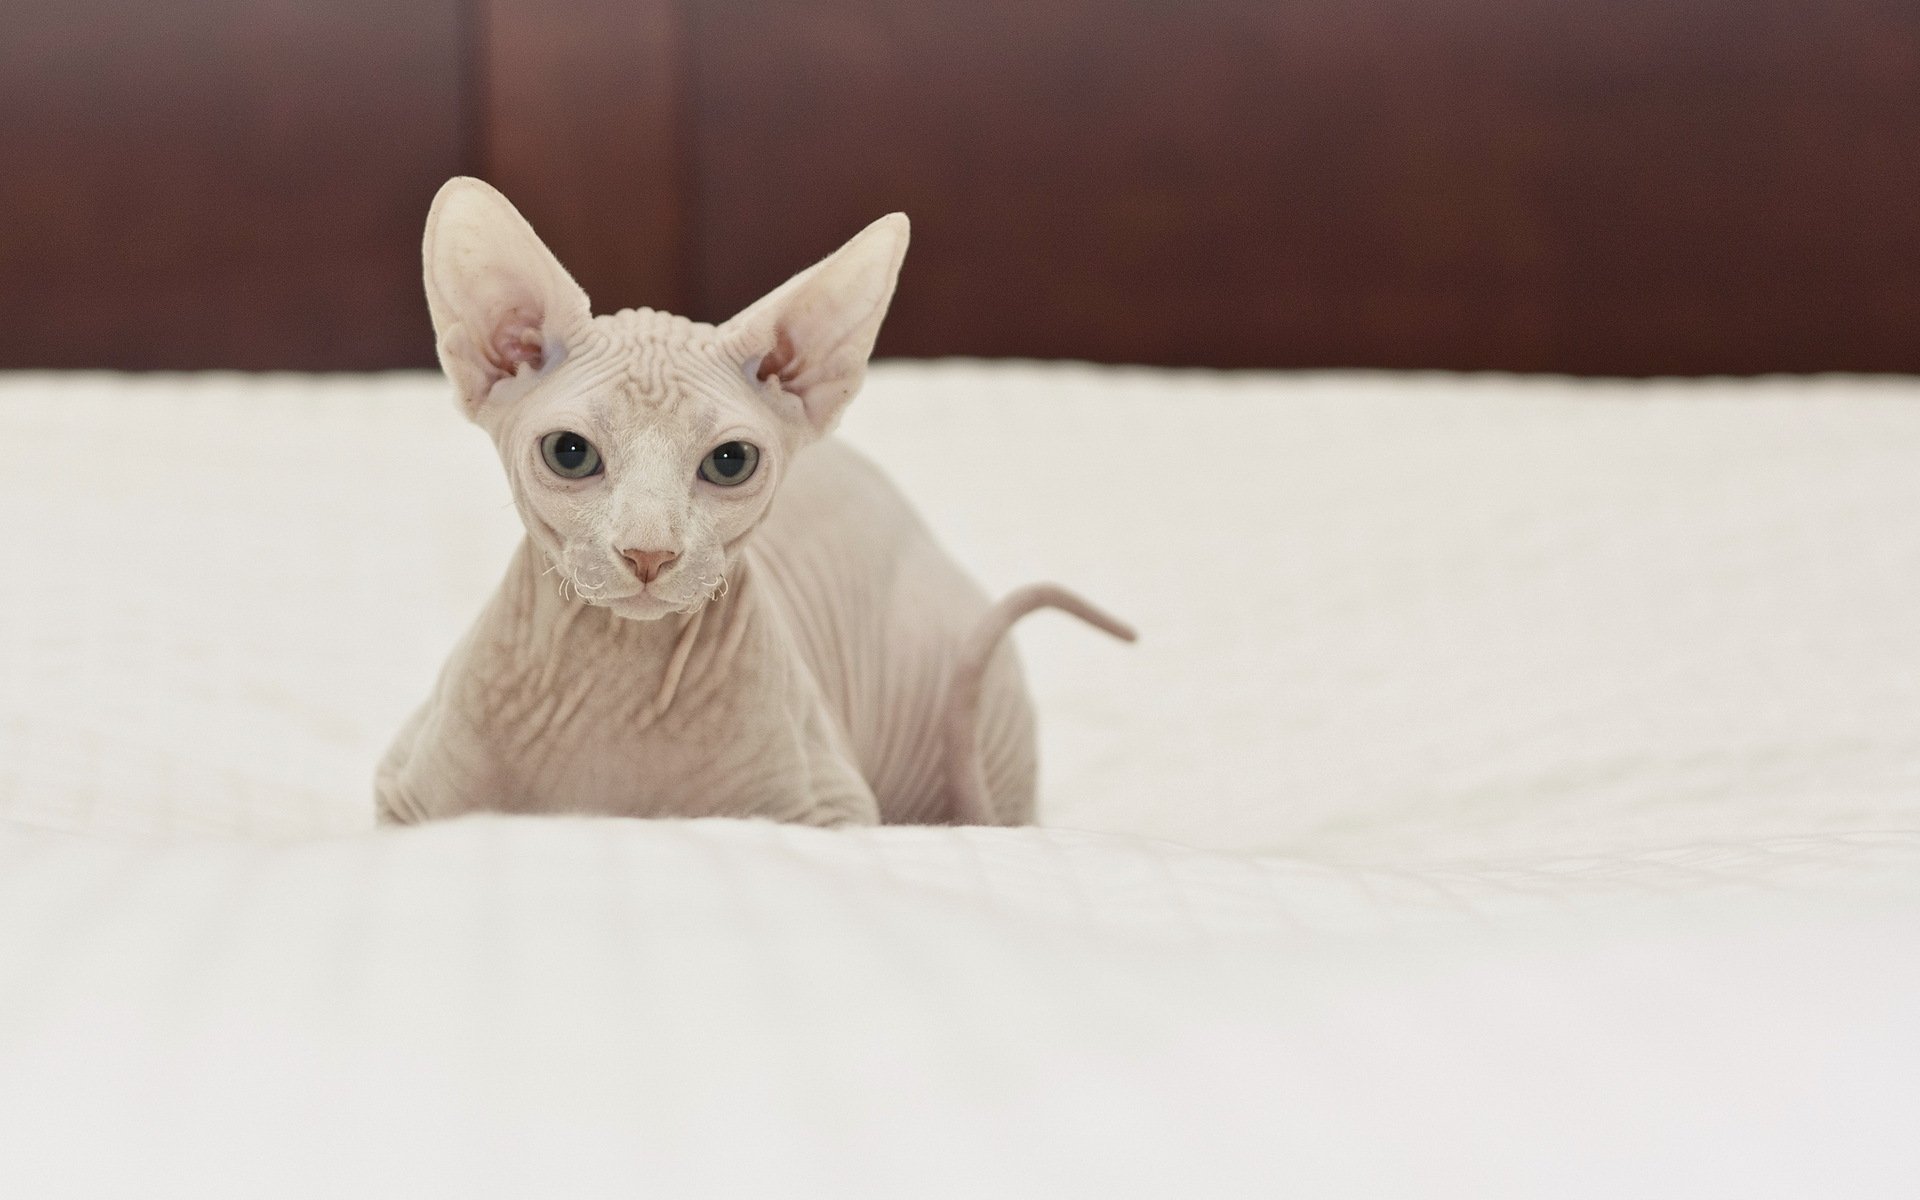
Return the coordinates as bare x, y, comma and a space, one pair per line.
1516, 792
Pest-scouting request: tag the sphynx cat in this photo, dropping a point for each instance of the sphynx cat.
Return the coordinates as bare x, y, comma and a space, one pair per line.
718, 609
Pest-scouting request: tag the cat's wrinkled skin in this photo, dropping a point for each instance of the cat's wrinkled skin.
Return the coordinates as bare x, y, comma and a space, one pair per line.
665, 646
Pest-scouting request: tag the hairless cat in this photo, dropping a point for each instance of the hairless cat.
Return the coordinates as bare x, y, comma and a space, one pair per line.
668, 640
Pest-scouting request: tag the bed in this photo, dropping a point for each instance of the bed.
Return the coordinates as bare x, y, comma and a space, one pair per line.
1515, 791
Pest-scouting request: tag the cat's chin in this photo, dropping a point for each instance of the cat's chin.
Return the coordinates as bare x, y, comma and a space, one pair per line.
643, 607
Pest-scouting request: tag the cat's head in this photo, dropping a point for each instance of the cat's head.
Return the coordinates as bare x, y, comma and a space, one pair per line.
643, 448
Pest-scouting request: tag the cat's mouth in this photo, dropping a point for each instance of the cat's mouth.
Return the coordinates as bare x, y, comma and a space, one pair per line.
677, 594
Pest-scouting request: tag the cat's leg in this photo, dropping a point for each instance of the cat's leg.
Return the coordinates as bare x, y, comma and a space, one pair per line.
805, 772
1007, 740
438, 767
837, 794
787, 757
390, 804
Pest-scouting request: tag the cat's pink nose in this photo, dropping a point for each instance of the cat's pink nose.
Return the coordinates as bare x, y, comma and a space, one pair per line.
648, 564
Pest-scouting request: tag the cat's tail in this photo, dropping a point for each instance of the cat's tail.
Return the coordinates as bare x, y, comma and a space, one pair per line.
966, 778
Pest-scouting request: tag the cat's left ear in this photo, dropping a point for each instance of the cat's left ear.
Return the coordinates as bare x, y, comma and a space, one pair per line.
814, 333
500, 300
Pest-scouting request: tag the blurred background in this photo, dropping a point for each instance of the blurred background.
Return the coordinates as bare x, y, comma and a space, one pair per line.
1621, 187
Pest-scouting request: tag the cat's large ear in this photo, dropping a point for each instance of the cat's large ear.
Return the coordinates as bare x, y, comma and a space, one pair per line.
500, 300
814, 332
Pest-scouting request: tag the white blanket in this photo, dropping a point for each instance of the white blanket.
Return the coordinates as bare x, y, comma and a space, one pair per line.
1516, 792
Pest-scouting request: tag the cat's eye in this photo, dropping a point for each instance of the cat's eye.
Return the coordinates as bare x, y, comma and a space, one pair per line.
730, 464
569, 455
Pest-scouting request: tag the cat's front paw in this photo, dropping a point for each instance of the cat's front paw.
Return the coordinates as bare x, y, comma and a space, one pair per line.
844, 810
390, 808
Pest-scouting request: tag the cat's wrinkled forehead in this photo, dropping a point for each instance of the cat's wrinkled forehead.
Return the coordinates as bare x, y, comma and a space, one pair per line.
644, 354
640, 364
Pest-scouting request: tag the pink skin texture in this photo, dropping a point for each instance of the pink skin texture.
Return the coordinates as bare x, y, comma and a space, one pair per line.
681, 633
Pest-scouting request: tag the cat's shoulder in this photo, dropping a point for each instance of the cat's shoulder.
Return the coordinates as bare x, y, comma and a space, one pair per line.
831, 480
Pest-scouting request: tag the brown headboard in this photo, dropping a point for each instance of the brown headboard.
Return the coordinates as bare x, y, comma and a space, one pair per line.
1592, 186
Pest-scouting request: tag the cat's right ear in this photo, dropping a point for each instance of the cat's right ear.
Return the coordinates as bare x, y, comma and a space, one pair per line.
501, 302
